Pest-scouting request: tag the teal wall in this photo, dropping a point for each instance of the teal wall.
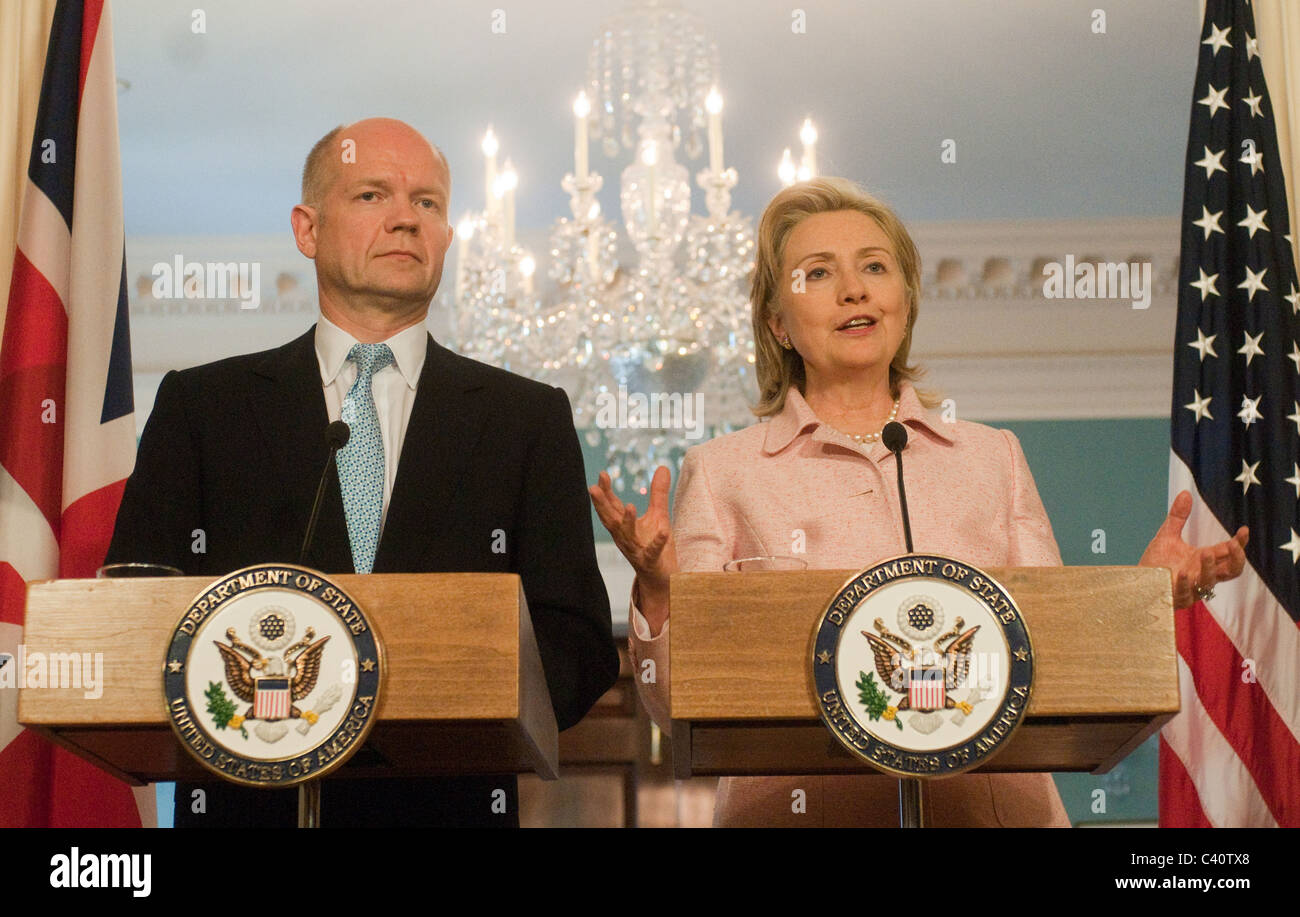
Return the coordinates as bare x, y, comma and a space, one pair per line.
1092, 474
1111, 475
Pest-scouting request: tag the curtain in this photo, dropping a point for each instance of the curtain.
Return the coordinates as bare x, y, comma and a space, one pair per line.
1277, 27
24, 34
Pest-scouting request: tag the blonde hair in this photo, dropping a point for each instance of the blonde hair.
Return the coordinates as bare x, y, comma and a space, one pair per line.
777, 368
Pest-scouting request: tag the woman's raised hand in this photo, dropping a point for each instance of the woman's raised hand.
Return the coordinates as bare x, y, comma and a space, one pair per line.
646, 542
1194, 570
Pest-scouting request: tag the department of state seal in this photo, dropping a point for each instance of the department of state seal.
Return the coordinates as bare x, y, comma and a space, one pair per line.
922, 666
273, 676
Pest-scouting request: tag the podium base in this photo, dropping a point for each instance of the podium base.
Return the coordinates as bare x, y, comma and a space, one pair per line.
309, 804
911, 798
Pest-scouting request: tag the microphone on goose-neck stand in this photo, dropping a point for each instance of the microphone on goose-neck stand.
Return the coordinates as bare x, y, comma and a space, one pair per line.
336, 437
911, 792
894, 436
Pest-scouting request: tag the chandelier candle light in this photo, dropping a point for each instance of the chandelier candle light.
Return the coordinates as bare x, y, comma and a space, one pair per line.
581, 109
808, 134
507, 181
714, 104
490, 148
786, 170
464, 232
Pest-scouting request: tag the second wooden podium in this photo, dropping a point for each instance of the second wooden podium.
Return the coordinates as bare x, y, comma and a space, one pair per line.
742, 700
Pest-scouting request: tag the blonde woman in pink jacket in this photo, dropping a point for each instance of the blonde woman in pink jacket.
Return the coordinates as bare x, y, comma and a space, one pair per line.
834, 299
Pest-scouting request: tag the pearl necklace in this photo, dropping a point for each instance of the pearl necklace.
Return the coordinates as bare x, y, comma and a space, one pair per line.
864, 438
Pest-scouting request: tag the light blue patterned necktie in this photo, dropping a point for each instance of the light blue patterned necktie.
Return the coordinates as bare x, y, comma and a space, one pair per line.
361, 461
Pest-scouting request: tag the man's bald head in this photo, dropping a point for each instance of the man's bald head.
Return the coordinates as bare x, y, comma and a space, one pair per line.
327, 154
374, 220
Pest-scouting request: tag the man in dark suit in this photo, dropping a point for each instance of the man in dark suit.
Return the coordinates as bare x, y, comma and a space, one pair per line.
455, 466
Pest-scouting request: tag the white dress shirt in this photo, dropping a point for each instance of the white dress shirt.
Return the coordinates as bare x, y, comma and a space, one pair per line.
393, 386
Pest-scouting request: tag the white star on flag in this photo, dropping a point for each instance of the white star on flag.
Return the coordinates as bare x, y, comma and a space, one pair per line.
1218, 39
1251, 348
1253, 282
1247, 476
1211, 162
1294, 355
1206, 284
1295, 416
1200, 406
1293, 297
1214, 100
1252, 101
1252, 158
1252, 48
1253, 221
1209, 221
1295, 479
1293, 546
1203, 344
1249, 412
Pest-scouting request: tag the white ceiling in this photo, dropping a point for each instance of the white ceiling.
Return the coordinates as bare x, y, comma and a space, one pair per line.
1050, 119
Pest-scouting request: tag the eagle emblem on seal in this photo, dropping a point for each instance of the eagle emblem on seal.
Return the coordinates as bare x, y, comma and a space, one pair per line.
272, 683
922, 675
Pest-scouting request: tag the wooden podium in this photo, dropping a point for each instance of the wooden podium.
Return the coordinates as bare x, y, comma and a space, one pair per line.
741, 694
465, 693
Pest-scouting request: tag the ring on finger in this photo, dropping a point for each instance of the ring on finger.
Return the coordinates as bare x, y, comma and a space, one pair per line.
1204, 593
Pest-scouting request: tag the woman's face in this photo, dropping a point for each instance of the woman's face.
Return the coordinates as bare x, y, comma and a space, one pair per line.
842, 298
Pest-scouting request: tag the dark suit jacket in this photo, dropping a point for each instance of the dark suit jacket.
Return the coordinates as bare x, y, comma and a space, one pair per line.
236, 448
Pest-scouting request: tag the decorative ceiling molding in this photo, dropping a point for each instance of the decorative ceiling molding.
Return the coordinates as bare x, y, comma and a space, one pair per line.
986, 333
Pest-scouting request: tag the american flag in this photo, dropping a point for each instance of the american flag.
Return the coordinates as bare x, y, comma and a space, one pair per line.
67, 430
1232, 756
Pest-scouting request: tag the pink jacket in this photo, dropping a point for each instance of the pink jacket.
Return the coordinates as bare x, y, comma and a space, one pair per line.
795, 486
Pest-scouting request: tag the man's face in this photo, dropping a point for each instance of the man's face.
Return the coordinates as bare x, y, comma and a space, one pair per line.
379, 234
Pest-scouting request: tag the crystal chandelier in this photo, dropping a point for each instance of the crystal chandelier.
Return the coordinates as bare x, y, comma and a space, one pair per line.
650, 333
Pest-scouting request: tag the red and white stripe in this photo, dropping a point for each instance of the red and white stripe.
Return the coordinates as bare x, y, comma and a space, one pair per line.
272, 704
1232, 755
925, 689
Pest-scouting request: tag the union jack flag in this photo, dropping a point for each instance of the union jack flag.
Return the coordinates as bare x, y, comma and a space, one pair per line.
1232, 755
67, 426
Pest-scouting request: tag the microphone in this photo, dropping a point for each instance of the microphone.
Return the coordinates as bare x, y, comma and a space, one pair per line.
336, 437
894, 436
337, 434
911, 791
